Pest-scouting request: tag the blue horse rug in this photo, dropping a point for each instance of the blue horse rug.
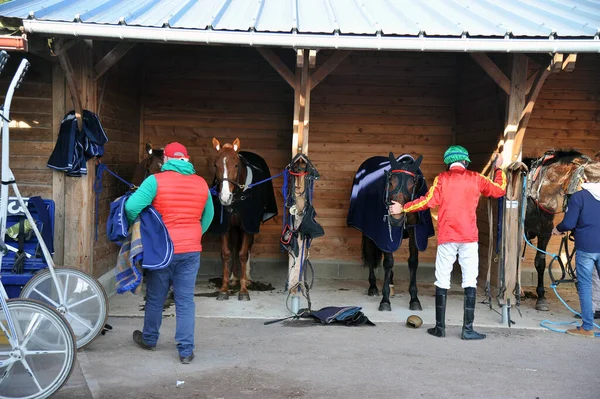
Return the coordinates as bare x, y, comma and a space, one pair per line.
368, 209
259, 204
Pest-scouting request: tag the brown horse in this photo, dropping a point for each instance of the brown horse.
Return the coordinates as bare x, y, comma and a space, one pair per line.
149, 165
552, 178
236, 244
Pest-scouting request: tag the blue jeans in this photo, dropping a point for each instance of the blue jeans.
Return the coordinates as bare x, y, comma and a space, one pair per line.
586, 264
182, 274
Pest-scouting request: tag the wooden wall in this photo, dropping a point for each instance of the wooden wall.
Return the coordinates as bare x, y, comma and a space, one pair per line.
119, 107
192, 94
374, 103
31, 140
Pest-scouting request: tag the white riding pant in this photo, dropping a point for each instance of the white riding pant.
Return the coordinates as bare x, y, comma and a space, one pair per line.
595, 291
468, 257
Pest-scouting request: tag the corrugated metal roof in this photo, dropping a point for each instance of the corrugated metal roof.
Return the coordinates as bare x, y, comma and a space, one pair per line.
448, 18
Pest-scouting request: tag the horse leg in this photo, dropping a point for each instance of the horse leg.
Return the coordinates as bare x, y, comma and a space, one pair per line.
244, 257
370, 259
234, 242
540, 266
413, 264
388, 264
225, 256
392, 290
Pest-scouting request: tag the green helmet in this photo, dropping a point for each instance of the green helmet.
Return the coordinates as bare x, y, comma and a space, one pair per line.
456, 153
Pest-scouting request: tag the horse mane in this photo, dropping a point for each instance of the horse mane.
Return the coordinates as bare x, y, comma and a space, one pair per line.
561, 156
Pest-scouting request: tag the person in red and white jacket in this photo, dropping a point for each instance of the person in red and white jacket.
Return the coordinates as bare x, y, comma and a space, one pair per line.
456, 192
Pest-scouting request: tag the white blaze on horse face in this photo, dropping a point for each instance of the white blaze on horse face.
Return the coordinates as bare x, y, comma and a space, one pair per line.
225, 193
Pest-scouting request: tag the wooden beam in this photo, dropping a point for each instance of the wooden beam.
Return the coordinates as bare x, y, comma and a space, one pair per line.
61, 45
510, 236
557, 62
58, 178
65, 63
312, 58
493, 71
111, 58
540, 78
278, 65
569, 63
328, 66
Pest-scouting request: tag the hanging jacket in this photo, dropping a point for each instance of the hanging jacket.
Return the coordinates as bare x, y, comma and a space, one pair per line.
583, 217
182, 198
457, 193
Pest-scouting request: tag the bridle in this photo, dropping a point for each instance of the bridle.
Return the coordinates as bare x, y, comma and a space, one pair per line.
400, 187
239, 187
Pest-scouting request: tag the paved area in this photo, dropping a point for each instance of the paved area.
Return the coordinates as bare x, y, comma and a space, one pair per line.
243, 358
237, 356
272, 304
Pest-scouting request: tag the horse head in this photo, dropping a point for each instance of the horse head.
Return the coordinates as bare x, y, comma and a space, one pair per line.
149, 165
230, 170
403, 181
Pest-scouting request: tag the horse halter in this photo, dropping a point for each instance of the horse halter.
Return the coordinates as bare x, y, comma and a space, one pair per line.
400, 187
239, 188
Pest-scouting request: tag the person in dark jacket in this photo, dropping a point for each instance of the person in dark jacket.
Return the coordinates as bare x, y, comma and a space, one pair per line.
456, 192
583, 218
183, 200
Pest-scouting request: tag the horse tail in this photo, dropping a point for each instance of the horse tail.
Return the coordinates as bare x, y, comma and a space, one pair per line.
371, 254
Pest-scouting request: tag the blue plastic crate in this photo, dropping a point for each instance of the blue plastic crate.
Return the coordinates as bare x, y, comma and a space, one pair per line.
13, 283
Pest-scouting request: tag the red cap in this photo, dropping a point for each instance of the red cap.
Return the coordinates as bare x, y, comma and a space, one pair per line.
176, 150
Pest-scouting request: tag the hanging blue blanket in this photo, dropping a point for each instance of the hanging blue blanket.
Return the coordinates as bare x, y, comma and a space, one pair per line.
146, 243
259, 204
74, 148
368, 209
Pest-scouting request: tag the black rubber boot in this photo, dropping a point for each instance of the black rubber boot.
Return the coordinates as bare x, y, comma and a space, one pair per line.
440, 313
467, 330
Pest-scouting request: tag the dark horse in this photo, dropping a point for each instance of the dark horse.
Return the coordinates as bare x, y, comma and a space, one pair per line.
551, 179
378, 181
149, 165
240, 209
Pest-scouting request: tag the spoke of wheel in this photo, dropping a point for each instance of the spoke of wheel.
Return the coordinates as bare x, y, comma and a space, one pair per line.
44, 352
31, 374
80, 321
31, 328
82, 301
6, 372
64, 298
46, 297
5, 353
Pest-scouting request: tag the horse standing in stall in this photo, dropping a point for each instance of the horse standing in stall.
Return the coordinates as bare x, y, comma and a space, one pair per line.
149, 165
378, 181
245, 200
551, 179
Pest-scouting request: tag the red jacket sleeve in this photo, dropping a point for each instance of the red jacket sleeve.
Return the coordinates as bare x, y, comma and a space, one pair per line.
496, 188
429, 200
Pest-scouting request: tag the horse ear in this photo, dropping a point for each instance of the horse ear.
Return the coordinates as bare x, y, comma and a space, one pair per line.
149, 147
236, 144
216, 144
417, 163
393, 162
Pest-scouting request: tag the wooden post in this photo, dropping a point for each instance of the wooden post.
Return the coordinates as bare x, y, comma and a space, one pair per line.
510, 236
79, 198
58, 178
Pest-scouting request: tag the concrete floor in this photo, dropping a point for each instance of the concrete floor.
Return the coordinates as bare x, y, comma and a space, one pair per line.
237, 356
272, 304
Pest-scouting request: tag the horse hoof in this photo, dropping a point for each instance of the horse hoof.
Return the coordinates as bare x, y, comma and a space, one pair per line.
243, 297
385, 307
415, 305
223, 296
542, 305
373, 292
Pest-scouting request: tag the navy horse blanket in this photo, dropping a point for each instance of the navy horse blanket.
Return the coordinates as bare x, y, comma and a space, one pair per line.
258, 204
368, 209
